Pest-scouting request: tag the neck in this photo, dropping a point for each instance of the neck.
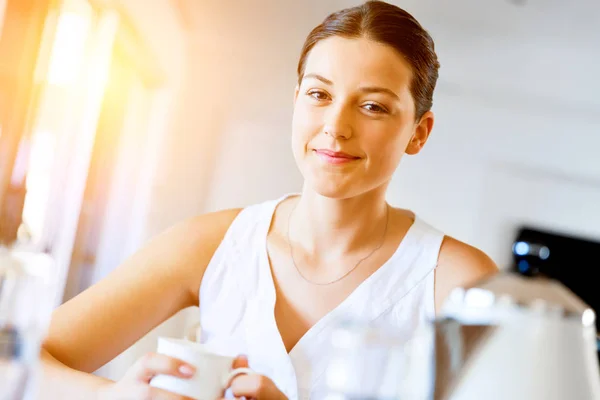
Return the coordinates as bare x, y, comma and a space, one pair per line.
322, 225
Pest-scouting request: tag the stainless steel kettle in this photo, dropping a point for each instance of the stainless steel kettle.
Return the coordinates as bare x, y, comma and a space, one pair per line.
512, 337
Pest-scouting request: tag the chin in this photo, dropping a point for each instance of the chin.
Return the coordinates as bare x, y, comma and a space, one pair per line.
333, 188
336, 183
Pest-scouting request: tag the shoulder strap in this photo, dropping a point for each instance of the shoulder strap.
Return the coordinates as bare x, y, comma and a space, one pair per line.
241, 248
431, 243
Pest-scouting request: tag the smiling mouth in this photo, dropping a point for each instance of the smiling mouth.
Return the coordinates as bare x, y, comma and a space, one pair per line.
334, 157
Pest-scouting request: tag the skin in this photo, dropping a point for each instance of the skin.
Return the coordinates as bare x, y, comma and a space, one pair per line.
365, 111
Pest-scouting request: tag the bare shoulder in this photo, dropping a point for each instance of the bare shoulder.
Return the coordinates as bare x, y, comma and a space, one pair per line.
203, 232
194, 241
196, 236
459, 265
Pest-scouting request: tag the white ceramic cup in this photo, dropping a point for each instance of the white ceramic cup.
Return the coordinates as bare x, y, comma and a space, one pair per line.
213, 376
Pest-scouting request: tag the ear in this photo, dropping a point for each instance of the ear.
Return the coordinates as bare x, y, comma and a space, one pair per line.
296, 91
421, 134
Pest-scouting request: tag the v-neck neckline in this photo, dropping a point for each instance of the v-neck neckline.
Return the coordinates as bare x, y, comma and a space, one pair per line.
333, 314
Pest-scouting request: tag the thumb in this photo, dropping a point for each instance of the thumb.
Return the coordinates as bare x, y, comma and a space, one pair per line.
240, 362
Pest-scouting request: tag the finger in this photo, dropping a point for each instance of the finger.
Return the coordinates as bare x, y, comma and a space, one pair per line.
240, 362
153, 364
159, 394
254, 386
142, 391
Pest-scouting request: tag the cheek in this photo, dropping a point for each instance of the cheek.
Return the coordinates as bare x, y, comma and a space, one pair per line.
305, 125
385, 149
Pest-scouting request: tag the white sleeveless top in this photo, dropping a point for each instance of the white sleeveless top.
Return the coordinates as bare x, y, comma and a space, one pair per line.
237, 300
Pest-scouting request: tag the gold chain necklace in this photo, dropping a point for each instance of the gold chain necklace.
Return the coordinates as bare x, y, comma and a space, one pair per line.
353, 268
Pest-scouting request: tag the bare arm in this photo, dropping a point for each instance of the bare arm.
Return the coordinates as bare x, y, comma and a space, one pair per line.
61, 382
459, 265
155, 283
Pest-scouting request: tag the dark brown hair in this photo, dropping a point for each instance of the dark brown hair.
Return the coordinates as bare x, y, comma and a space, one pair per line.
391, 25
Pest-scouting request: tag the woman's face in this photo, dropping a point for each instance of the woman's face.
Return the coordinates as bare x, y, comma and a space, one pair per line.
354, 117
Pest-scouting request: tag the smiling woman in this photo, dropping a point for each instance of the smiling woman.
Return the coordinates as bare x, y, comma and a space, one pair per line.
272, 279
346, 103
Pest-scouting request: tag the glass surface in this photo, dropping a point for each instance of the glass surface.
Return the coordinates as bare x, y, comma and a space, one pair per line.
375, 362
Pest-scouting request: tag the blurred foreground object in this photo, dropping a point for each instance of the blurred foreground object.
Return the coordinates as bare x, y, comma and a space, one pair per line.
22, 29
26, 293
372, 362
509, 337
513, 337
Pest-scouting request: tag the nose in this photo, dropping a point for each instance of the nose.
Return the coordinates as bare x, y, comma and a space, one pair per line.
338, 122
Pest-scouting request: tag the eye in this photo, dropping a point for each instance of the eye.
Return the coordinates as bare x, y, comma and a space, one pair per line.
319, 95
375, 108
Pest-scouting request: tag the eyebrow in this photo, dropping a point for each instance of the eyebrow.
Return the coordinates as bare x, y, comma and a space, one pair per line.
318, 77
365, 89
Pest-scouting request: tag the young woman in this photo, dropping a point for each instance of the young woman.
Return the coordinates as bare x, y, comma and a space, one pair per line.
271, 280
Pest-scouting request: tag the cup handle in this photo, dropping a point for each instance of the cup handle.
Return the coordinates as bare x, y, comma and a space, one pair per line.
234, 373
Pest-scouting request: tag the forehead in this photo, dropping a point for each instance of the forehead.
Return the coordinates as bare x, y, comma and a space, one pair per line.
359, 61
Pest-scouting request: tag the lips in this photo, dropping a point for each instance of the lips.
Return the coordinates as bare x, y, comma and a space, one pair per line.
334, 157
